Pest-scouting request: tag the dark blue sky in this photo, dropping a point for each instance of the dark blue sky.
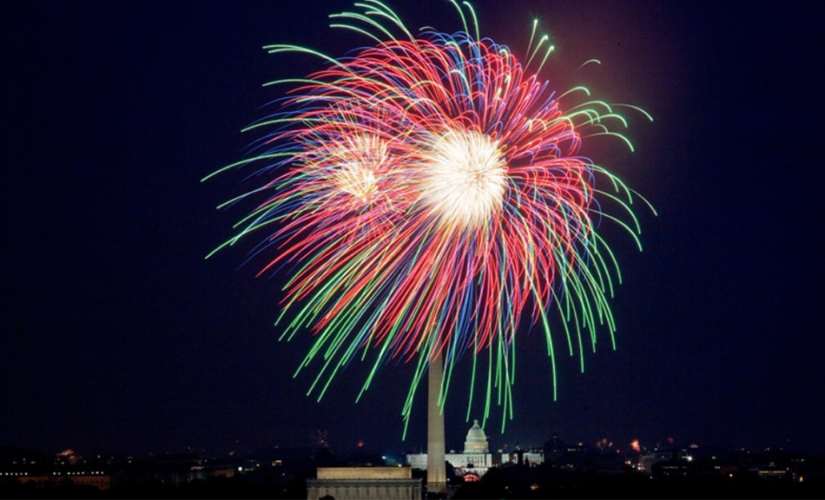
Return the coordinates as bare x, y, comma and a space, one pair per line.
118, 336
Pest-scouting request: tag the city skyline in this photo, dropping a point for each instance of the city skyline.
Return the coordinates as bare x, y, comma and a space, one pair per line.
577, 470
120, 336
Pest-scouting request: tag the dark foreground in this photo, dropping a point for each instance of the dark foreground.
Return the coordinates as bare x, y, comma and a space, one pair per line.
513, 483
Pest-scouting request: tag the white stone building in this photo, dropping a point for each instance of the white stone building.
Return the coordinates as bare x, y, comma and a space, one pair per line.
476, 457
364, 483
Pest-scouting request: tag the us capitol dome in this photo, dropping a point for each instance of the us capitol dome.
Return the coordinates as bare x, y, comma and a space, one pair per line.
476, 441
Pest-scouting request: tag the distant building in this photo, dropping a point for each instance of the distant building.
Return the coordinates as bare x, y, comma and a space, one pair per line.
364, 483
671, 469
648, 460
97, 479
554, 449
476, 458
529, 458
569, 456
476, 441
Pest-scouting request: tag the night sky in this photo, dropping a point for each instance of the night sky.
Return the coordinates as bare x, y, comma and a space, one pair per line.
119, 337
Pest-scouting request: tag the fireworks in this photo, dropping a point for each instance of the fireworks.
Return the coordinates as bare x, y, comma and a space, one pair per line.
428, 198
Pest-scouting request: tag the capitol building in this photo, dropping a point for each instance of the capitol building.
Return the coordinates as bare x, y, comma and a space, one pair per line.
475, 459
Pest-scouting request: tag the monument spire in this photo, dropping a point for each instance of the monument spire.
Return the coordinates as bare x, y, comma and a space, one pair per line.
436, 460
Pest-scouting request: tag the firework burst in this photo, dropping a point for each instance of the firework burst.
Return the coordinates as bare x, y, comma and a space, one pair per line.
428, 196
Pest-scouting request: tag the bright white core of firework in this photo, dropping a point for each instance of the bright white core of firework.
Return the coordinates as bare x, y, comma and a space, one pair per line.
359, 160
465, 179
